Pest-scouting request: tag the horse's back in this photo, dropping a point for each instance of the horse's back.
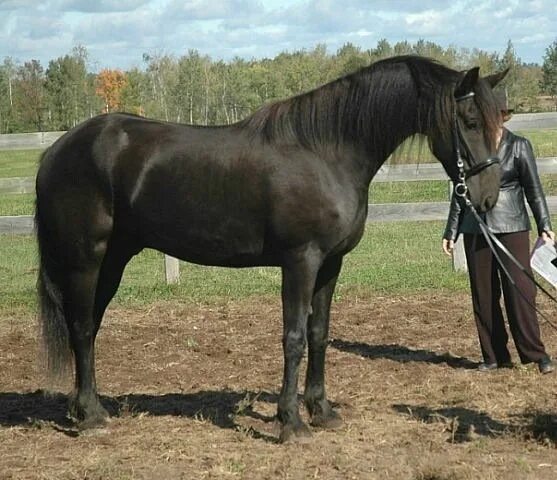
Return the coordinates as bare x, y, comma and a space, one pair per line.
207, 195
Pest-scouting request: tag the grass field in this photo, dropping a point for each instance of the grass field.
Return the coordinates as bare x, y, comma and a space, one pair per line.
19, 163
389, 259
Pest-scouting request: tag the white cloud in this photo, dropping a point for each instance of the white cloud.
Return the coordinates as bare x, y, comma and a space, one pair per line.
428, 22
16, 4
117, 32
98, 6
191, 10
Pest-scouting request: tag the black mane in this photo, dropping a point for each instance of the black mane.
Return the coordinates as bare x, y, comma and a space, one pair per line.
411, 94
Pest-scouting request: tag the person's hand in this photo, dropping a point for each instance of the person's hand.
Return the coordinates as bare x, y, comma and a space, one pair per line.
448, 246
548, 236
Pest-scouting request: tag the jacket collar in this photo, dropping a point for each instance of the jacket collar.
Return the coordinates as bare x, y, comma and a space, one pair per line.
505, 144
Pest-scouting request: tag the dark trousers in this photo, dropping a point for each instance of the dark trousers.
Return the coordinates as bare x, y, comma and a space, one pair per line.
486, 280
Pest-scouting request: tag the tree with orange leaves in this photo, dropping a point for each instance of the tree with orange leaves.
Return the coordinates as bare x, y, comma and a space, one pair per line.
109, 86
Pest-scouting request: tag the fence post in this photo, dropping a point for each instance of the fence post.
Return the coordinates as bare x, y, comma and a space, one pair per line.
171, 270
459, 255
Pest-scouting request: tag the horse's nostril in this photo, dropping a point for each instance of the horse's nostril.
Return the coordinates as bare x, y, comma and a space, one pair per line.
488, 203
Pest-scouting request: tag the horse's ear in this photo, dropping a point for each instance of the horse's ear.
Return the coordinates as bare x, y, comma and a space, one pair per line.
497, 77
467, 82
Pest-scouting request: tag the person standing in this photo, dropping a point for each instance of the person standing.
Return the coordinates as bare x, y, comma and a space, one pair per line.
509, 221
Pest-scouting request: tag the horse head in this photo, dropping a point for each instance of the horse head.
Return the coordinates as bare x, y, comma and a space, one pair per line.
469, 150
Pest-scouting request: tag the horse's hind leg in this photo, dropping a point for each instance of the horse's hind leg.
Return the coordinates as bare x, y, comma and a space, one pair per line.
79, 300
322, 414
87, 312
83, 247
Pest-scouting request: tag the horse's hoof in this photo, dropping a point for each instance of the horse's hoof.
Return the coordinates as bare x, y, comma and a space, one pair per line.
89, 416
90, 422
329, 420
299, 433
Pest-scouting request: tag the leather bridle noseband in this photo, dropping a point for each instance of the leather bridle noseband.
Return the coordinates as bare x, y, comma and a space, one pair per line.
460, 188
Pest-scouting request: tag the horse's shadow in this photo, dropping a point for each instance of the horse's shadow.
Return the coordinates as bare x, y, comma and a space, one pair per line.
399, 353
222, 408
465, 424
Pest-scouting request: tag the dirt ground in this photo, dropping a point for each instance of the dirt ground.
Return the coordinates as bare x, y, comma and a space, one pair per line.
192, 391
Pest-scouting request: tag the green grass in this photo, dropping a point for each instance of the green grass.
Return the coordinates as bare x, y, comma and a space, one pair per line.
409, 192
388, 260
19, 163
544, 141
431, 191
17, 204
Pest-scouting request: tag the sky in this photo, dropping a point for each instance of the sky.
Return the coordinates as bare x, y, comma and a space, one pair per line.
116, 33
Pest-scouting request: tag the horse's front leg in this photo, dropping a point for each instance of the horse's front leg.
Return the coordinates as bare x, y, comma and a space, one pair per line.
298, 280
322, 414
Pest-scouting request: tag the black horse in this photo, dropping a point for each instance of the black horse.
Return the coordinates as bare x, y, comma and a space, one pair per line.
286, 187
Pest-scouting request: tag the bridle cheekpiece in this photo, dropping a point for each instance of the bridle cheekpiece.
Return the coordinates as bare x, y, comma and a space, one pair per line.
460, 188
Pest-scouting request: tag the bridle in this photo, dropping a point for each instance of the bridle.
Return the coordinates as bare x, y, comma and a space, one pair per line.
460, 188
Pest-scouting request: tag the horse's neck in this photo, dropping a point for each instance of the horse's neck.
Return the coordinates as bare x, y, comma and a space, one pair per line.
363, 165
370, 160
385, 130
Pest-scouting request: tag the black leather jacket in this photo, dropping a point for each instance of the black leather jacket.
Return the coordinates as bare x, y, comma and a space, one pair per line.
519, 179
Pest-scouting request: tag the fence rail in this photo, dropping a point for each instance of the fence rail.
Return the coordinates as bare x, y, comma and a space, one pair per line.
28, 141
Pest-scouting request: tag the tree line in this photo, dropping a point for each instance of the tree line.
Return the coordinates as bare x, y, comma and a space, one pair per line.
196, 89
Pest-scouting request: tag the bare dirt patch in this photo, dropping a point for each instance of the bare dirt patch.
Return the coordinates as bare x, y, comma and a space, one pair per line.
193, 390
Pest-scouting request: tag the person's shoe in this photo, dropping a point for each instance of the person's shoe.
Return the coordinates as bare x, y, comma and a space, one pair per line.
486, 367
545, 365
507, 364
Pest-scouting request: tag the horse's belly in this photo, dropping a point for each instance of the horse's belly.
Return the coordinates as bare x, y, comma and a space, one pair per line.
220, 242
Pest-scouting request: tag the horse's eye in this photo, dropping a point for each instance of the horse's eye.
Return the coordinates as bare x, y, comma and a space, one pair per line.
472, 124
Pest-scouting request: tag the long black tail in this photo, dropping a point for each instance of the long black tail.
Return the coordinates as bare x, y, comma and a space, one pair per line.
56, 352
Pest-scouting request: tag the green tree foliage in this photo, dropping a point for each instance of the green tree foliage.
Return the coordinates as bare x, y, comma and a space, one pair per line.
549, 72
511, 61
351, 58
7, 77
66, 85
383, 50
133, 93
193, 88
528, 89
30, 96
